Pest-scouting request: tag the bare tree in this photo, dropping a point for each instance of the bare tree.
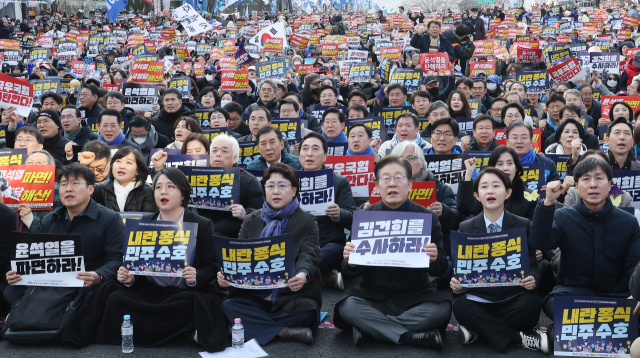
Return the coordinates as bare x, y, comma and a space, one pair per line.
432, 4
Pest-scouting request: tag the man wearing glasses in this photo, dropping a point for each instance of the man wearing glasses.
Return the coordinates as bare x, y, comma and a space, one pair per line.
101, 229
444, 136
437, 110
396, 304
115, 100
496, 111
519, 138
71, 121
267, 92
406, 129
88, 98
549, 126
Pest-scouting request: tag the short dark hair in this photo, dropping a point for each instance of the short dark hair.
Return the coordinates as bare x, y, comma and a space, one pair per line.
190, 123
260, 108
432, 22
483, 117
221, 111
340, 114
269, 129
289, 101
357, 93
286, 171
555, 98
292, 94
588, 164
509, 106
70, 106
517, 124
117, 95
173, 91
327, 87
446, 121
234, 107
178, 178
499, 151
619, 121
94, 90
325, 145
464, 81
621, 103
484, 84
141, 165
358, 107
566, 122
208, 89
110, 112
56, 97
392, 159
422, 94
416, 120
31, 130
366, 129
77, 171
499, 99
571, 108
99, 148
195, 137
399, 86
139, 122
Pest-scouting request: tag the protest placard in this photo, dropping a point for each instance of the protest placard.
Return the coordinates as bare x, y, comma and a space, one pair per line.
147, 71
629, 181
361, 72
12, 156
32, 185
289, 127
316, 190
409, 77
256, 264
567, 71
489, 68
211, 133
159, 248
42, 86
234, 81
140, 97
189, 160
561, 163
248, 152
213, 188
390, 239
435, 64
271, 70
448, 168
535, 176
182, 84
422, 193
317, 111
535, 80
490, 260
337, 148
52, 260
359, 170
390, 114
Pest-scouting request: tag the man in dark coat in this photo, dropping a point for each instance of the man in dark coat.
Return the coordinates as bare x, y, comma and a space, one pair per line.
8, 224
433, 42
173, 109
272, 152
463, 48
24, 27
74, 131
102, 229
396, 304
267, 92
88, 98
5, 32
600, 243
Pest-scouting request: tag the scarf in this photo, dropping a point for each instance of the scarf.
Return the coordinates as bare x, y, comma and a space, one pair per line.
368, 151
528, 158
341, 138
418, 140
277, 220
551, 124
72, 136
119, 139
434, 44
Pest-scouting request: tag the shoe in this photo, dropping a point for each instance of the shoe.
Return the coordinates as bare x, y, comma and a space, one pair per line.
299, 334
430, 339
333, 279
535, 340
195, 336
358, 337
467, 335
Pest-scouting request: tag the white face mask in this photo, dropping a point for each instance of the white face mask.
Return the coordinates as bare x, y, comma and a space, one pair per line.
491, 86
612, 83
140, 140
224, 102
209, 77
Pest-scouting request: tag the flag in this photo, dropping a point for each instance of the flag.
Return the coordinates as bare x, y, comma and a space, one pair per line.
275, 30
114, 7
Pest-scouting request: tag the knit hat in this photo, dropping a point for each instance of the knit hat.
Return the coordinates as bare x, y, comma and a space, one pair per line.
53, 115
462, 30
380, 93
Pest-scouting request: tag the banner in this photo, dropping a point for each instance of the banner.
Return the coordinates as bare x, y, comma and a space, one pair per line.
535, 177
489, 68
191, 21
52, 260
248, 153
39, 53
376, 124
362, 72
390, 239
28, 184
529, 55
390, 114
289, 127
594, 326
409, 77
422, 193
359, 170
13, 156
42, 86
629, 181
256, 264
490, 260
140, 97
393, 53
213, 188
561, 163
182, 84
448, 168
609, 61
271, 70
147, 72
435, 64
234, 81
159, 248
316, 190
567, 71
535, 80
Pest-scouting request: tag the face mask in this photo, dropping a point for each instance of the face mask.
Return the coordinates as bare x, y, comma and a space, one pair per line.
491, 86
612, 83
297, 63
497, 119
316, 91
140, 140
224, 102
474, 16
434, 92
209, 77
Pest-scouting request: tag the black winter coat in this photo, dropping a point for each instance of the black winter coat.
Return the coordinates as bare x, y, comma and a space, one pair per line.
333, 231
164, 121
85, 135
8, 224
520, 202
140, 199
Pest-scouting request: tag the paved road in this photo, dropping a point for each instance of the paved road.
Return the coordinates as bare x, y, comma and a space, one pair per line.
328, 343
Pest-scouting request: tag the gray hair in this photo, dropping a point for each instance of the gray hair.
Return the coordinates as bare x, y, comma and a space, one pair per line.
417, 55
269, 82
512, 93
50, 159
435, 105
572, 91
418, 152
235, 147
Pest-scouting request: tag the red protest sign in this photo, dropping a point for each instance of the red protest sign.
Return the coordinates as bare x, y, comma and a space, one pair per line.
329, 50
529, 54
9, 44
111, 88
608, 101
229, 46
17, 93
274, 44
630, 21
150, 46
181, 51
358, 170
314, 40
299, 40
147, 71
435, 64
44, 41
624, 34
567, 71
422, 193
393, 53
407, 25
216, 54
227, 63
489, 68
135, 40
484, 47
198, 69
302, 70
29, 184
78, 67
234, 81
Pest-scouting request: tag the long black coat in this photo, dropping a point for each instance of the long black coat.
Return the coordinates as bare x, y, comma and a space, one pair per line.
164, 121
304, 232
333, 231
139, 199
509, 222
8, 224
406, 286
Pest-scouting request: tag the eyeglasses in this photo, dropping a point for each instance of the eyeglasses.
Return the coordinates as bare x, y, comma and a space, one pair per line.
107, 126
98, 170
44, 122
411, 158
68, 116
25, 140
332, 123
114, 103
219, 118
386, 179
522, 138
554, 108
496, 110
513, 116
288, 111
447, 135
234, 119
266, 89
169, 188
436, 115
74, 184
272, 186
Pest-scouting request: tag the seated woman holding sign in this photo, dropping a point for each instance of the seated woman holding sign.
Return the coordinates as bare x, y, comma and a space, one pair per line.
285, 312
393, 303
506, 314
161, 308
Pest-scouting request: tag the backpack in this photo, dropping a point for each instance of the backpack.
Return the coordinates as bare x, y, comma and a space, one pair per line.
41, 314
341, 28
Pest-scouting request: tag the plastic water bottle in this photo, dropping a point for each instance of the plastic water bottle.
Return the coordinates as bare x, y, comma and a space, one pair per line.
127, 335
237, 335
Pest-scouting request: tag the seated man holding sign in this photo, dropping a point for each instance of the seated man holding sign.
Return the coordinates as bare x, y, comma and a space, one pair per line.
396, 304
600, 243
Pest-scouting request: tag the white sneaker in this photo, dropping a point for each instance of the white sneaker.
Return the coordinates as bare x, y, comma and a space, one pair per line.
467, 336
535, 340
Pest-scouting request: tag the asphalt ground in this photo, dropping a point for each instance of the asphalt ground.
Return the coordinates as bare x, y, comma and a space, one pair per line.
327, 343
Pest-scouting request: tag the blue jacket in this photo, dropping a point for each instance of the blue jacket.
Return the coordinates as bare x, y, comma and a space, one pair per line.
286, 158
422, 43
